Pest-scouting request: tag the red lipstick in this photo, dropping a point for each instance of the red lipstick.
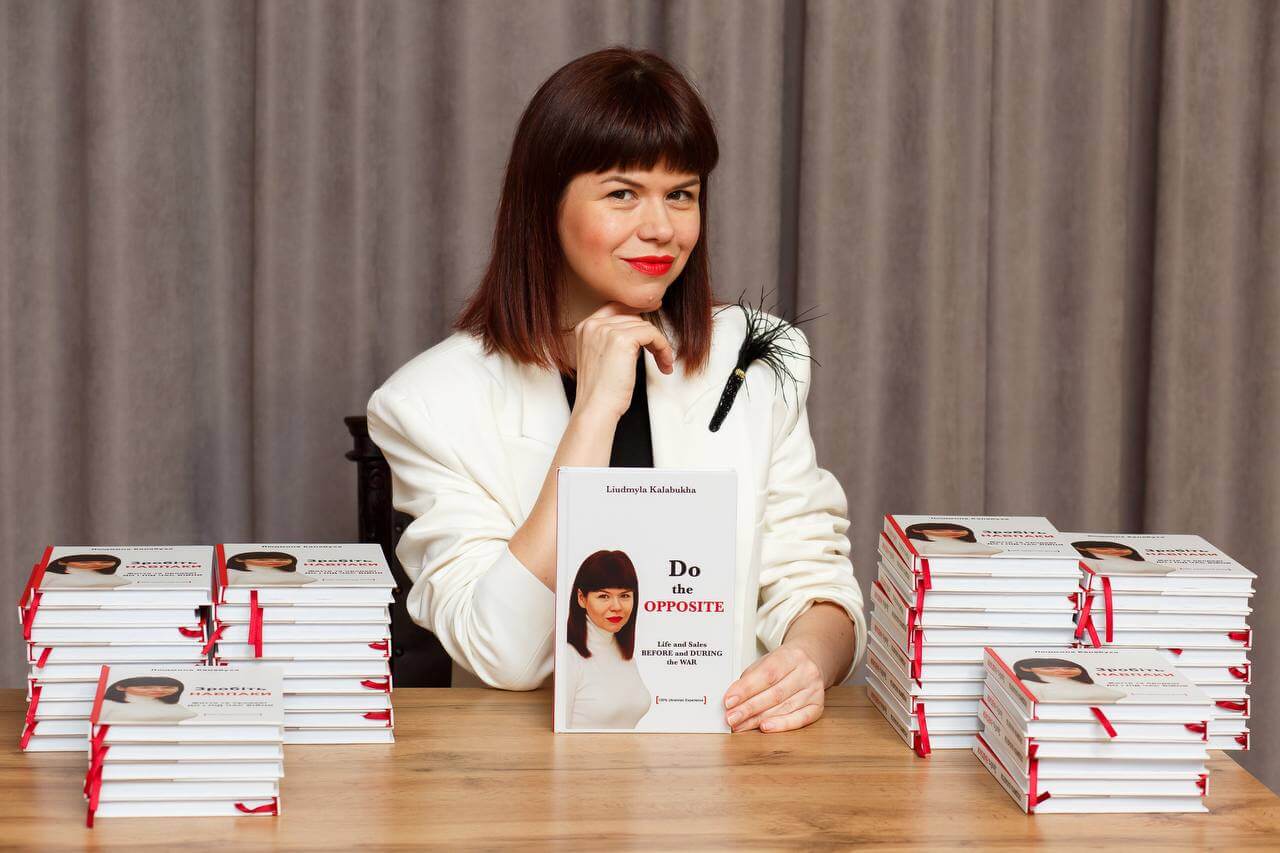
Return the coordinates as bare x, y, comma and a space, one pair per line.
651, 264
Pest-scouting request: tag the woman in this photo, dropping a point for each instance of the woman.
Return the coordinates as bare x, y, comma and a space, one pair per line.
83, 570
1059, 680
144, 699
265, 568
603, 688
944, 539
600, 273
1114, 558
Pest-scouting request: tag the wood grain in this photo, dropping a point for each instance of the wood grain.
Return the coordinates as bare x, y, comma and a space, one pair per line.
481, 768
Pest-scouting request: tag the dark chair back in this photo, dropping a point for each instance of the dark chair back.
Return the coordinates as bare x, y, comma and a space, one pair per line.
417, 658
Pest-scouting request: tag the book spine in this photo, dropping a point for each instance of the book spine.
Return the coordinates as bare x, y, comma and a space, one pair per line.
996, 769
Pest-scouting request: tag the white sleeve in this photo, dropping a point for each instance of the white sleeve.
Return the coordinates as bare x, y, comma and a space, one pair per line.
491, 614
804, 552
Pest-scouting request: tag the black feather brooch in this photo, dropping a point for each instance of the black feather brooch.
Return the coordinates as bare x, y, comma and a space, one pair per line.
761, 344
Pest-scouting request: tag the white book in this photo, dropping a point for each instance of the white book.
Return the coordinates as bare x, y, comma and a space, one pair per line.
380, 719
177, 753
1046, 794
1206, 657
993, 711
287, 651
78, 575
336, 702
193, 634
83, 617
1043, 682
189, 770
991, 546
1173, 603
1165, 638
337, 736
645, 637
998, 730
1158, 562
161, 703
297, 573
187, 808
184, 651
888, 597
304, 613
284, 632
113, 790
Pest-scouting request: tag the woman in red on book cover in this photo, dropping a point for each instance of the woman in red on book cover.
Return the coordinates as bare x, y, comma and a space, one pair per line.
144, 699
83, 570
603, 685
599, 269
1059, 680
1116, 558
265, 568
944, 539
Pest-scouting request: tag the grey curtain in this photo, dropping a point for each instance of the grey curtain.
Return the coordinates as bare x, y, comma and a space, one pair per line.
1042, 235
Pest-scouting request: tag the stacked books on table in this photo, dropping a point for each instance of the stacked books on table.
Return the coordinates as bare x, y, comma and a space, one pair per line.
947, 587
185, 741
1075, 730
321, 613
87, 605
1182, 596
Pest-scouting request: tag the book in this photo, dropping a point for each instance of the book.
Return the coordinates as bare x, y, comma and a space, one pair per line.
320, 612
86, 605
180, 740
1094, 730
1174, 593
646, 621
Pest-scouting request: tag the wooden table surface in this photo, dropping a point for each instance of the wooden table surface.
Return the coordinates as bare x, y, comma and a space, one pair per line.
481, 768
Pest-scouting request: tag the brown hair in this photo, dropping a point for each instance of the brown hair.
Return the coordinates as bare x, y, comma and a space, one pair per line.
603, 570
615, 108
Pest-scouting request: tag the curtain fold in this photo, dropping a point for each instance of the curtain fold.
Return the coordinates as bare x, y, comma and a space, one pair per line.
1039, 234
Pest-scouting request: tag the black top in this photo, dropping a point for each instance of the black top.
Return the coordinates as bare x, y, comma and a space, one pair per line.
632, 443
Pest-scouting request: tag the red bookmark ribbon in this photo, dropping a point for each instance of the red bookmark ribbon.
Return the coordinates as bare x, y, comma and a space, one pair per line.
923, 747
271, 808
255, 623
1102, 719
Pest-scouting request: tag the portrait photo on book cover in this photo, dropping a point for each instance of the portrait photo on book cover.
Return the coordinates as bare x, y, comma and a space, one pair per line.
1060, 680
945, 539
144, 699
1116, 558
83, 570
265, 568
602, 684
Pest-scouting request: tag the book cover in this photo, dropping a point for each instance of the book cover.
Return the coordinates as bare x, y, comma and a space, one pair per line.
1155, 555
961, 543
645, 621
1090, 677
294, 570
107, 569
189, 696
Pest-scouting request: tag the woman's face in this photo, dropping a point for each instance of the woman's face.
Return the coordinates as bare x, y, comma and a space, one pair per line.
609, 218
1067, 671
151, 691
935, 535
1100, 553
267, 562
608, 608
91, 565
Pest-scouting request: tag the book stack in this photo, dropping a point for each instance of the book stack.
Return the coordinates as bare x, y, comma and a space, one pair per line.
947, 587
85, 606
185, 741
1180, 595
320, 612
1073, 730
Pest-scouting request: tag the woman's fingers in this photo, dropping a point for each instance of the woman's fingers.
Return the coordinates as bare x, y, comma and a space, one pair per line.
796, 719
768, 697
794, 702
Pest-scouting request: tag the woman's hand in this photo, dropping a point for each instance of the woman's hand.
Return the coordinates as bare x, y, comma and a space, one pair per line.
607, 342
782, 690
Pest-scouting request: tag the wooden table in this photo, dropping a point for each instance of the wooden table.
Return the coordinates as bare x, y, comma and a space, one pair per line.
481, 768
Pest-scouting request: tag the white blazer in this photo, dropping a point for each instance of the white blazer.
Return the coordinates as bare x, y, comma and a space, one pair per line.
470, 438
